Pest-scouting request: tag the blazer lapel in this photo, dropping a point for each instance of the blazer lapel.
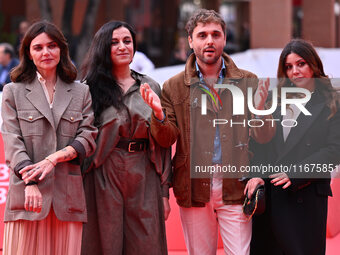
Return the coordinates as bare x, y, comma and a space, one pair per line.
62, 99
315, 106
38, 99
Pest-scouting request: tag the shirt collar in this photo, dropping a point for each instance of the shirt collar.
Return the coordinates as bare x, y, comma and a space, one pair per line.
40, 78
42, 82
220, 76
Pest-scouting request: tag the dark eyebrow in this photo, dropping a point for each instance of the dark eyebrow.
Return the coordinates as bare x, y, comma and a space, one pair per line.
297, 61
205, 32
126, 37
301, 59
39, 44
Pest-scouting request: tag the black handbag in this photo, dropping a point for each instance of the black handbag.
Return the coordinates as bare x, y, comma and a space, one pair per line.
256, 204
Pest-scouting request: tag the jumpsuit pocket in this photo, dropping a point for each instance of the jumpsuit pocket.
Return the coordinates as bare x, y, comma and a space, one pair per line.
75, 194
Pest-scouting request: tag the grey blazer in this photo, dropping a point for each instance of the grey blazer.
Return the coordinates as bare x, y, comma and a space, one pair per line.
31, 131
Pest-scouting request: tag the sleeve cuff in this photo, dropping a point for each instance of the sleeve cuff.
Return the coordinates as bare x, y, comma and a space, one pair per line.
81, 153
161, 121
20, 166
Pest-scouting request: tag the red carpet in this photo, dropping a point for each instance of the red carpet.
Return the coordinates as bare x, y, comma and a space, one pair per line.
176, 245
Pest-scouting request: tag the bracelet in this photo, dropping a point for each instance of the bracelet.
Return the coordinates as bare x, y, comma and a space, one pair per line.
31, 183
54, 164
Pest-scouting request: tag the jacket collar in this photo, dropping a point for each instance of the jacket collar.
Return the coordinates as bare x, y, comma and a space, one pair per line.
110, 113
62, 99
190, 73
137, 76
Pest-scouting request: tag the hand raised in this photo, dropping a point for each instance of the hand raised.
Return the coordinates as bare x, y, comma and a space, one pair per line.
152, 99
261, 94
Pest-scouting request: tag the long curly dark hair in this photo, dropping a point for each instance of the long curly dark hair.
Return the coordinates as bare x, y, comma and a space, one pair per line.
306, 51
97, 69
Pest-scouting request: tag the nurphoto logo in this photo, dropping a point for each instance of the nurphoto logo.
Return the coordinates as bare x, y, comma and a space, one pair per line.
238, 104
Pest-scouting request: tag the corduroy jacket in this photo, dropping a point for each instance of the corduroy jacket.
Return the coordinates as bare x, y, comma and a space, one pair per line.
194, 134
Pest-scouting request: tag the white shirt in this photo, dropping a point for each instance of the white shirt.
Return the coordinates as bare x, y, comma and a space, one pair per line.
292, 113
42, 82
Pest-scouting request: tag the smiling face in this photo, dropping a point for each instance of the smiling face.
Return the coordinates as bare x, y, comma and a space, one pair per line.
121, 47
207, 41
45, 53
299, 72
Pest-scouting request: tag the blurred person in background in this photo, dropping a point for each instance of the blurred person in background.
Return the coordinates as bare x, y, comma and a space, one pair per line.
23, 26
182, 51
141, 63
127, 179
47, 131
7, 62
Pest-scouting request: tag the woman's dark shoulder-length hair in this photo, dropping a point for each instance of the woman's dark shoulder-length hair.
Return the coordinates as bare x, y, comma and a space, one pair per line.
26, 70
306, 51
97, 68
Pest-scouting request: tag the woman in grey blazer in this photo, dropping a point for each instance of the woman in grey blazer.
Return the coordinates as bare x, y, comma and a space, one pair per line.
47, 131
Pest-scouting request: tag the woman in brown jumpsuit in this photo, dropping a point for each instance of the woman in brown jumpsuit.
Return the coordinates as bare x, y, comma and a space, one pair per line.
127, 179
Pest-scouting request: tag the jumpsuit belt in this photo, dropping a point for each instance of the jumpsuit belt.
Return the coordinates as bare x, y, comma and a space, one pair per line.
132, 145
